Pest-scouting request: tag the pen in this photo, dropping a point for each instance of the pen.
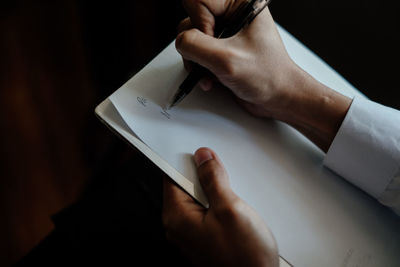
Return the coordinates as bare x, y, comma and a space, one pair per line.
244, 14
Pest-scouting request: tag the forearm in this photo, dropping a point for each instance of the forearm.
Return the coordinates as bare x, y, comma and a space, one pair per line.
314, 109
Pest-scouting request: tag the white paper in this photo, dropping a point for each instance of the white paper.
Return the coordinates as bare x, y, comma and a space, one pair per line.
317, 218
110, 116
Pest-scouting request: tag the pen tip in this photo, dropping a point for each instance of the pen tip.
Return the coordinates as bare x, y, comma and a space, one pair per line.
170, 105
176, 99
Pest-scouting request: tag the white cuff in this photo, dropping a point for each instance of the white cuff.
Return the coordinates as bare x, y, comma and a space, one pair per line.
366, 149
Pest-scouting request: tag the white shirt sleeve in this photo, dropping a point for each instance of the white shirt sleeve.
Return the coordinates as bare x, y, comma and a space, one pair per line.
366, 151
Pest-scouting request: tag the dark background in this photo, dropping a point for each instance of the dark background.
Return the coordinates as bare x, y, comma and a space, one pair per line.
59, 59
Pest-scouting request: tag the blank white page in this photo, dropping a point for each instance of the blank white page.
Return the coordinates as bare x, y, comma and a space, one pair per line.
317, 217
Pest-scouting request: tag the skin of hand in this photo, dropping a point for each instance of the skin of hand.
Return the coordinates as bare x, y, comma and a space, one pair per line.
228, 233
256, 67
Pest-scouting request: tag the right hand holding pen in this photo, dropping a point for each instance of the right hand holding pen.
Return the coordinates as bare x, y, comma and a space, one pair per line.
253, 64
256, 67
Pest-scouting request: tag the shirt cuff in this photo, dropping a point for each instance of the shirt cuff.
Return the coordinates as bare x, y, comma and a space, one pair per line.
366, 149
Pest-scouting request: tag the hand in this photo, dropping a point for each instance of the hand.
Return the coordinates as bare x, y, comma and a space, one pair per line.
228, 233
255, 66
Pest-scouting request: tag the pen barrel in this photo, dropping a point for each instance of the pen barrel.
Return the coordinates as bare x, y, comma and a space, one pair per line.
198, 72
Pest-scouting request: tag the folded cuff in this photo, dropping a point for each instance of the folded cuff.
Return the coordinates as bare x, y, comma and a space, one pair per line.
366, 149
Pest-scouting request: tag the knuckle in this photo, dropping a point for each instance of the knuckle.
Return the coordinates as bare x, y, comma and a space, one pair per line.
184, 39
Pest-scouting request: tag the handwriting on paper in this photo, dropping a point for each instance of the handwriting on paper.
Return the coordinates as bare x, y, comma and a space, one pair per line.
165, 113
142, 101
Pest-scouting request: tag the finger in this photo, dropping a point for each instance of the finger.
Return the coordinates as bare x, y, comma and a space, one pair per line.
205, 50
204, 12
185, 25
201, 16
213, 177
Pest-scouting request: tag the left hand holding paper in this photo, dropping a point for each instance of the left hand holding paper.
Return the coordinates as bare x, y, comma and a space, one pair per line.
228, 233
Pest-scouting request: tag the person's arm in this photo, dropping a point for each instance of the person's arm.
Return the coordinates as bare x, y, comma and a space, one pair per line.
255, 66
228, 233
314, 109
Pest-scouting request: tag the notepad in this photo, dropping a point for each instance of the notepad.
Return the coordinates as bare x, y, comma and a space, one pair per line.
317, 218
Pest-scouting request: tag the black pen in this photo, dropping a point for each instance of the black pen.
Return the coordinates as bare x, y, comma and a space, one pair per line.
244, 14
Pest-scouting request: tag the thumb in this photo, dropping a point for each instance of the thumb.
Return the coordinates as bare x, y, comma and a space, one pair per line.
213, 177
203, 49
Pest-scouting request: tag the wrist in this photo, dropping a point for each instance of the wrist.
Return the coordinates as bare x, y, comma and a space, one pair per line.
292, 91
313, 108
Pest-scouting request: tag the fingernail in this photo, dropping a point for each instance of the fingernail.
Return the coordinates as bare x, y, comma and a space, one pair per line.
202, 156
